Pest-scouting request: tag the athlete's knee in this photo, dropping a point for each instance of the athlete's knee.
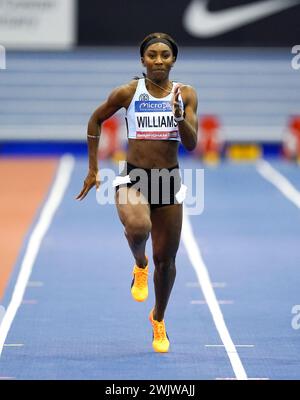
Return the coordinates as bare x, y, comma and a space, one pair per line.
163, 263
138, 229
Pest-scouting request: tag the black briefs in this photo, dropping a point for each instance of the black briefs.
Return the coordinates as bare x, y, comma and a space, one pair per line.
158, 185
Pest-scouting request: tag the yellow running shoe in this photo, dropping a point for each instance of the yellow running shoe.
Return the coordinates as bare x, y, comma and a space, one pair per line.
139, 285
160, 342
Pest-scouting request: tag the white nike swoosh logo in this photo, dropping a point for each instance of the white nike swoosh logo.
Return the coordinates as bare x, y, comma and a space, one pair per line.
200, 22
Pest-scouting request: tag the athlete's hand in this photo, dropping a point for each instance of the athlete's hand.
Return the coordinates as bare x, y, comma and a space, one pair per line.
92, 179
175, 103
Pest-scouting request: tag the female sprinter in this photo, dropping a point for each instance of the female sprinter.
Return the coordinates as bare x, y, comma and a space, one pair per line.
159, 114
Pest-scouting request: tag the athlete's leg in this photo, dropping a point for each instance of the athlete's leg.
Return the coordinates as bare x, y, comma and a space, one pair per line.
135, 216
165, 233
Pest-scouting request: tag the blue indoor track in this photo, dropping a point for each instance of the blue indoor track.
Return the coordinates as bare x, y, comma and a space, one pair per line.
78, 320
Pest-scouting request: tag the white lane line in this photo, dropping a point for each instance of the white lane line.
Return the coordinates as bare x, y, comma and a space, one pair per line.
197, 262
192, 284
29, 301
205, 302
13, 344
3, 378
219, 284
222, 345
59, 187
214, 284
278, 180
249, 379
35, 284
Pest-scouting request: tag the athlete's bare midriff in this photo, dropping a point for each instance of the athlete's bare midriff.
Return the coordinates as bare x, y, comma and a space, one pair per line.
152, 154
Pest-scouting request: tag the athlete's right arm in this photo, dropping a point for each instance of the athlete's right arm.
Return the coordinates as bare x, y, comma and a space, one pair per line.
117, 99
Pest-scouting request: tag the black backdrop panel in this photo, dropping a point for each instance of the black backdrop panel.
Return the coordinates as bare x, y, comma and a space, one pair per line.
121, 22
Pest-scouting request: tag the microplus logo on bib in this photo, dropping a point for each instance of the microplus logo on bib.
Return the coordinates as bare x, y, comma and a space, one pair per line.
152, 106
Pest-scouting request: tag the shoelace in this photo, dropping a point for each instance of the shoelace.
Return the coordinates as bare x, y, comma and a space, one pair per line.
140, 278
159, 330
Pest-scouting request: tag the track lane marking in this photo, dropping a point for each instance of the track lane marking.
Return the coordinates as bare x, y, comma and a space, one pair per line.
205, 302
59, 187
199, 266
279, 181
222, 345
214, 284
35, 284
19, 203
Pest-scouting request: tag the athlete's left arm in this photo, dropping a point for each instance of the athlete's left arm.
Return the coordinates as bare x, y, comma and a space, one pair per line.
188, 127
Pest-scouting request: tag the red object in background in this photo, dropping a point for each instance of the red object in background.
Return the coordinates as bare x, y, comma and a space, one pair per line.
295, 125
291, 141
109, 141
209, 140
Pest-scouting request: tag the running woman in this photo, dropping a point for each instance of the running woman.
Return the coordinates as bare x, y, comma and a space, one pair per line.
159, 115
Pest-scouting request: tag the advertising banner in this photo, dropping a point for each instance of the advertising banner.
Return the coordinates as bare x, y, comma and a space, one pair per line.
251, 23
38, 24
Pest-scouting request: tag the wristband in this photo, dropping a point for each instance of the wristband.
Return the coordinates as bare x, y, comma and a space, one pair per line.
93, 137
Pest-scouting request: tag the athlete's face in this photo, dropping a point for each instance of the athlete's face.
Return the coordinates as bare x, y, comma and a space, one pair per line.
158, 60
